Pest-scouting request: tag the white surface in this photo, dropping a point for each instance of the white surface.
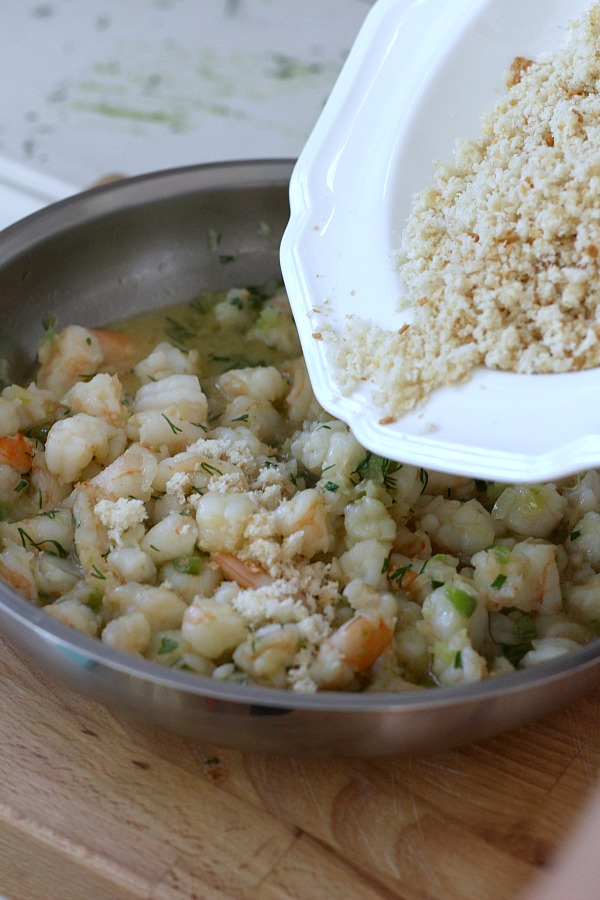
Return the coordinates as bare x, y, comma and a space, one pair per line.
94, 87
24, 190
419, 76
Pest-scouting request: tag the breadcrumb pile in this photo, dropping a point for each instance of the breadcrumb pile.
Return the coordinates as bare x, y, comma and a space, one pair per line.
500, 256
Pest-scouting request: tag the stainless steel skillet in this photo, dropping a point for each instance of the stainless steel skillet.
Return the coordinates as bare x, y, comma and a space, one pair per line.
143, 243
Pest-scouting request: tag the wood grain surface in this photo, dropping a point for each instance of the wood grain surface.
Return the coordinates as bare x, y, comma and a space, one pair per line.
94, 806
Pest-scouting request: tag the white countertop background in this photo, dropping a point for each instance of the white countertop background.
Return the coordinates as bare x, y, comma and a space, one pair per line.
96, 87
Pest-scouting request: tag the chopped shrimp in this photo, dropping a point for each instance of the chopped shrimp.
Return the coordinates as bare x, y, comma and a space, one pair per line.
361, 641
74, 353
16, 569
352, 649
17, 452
244, 574
300, 401
524, 576
166, 360
414, 544
212, 627
263, 383
130, 475
91, 537
305, 517
268, 653
119, 350
530, 510
32, 406
73, 443
101, 397
9, 420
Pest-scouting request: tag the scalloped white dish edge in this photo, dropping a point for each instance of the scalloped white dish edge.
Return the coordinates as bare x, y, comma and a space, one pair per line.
402, 99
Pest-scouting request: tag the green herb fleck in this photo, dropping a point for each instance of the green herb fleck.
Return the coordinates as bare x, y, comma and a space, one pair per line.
187, 564
398, 574
174, 428
498, 582
212, 470
167, 645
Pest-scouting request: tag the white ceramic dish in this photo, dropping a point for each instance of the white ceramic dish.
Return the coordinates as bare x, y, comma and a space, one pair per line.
420, 75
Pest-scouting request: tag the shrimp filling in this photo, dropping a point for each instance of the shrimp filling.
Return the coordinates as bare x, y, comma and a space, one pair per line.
172, 487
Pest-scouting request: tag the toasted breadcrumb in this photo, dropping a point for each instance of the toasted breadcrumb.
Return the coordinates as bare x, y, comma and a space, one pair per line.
500, 256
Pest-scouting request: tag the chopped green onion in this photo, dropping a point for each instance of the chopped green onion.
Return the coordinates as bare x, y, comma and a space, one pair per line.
498, 582
502, 553
167, 645
188, 565
574, 535
332, 486
463, 602
458, 660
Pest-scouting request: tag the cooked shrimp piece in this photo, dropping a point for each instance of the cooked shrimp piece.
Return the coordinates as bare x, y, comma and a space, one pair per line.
212, 627
361, 641
524, 576
367, 561
458, 528
48, 532
102, 397
75, 614
300, 401
368, 518
17, 452
268, 653
91, 537
73, 354
414, 544
530, 510
16, 569
328, 447
119, 350
45, 489
305, 517
32, 406
130, 475
259, 416
73, 443
9, 420
166, 360
244, 574
352, 649
222, 520
130, 633
263, 383
169, 413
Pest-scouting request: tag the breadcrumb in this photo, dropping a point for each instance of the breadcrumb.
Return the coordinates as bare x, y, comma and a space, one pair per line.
500, 257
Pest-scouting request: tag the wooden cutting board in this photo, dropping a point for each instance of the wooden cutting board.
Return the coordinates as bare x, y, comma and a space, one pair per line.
93, 807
